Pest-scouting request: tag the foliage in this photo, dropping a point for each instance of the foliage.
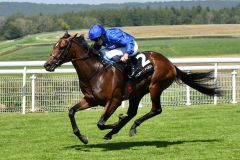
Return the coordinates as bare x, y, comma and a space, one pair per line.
18, 25
8, 8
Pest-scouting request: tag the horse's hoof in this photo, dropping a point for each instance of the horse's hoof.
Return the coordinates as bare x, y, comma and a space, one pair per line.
107, 137
132, 132
84, 139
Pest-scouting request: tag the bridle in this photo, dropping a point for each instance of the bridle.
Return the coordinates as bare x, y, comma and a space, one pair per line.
87, 55
65, 52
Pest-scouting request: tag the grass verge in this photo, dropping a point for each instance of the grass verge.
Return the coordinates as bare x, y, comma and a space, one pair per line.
199, 132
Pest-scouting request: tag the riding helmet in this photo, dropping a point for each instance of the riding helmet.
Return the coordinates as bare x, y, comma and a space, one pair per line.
96, 31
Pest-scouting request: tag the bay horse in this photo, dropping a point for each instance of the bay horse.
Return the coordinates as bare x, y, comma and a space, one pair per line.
104, 85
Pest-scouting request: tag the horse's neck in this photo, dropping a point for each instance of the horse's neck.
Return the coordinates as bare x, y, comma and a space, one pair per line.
87, 69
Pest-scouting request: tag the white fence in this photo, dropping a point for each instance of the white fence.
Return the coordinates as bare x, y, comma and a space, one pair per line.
34, 90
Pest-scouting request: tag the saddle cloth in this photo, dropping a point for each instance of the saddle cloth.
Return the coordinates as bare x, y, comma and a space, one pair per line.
142, 66
141, 63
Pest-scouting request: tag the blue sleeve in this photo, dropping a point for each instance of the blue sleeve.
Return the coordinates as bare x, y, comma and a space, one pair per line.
123, 39
130, 47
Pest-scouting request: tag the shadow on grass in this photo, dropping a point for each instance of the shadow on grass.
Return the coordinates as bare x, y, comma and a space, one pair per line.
130, 145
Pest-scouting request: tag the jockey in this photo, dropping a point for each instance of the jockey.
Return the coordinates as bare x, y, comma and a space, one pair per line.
119, 45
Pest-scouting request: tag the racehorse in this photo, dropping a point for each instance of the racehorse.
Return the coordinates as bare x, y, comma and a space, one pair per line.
103, 84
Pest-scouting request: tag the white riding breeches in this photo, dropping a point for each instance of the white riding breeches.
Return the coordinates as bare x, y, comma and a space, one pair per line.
118, 51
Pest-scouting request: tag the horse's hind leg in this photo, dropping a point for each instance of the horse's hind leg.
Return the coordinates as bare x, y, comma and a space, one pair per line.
78, 107
124, 119
155, 92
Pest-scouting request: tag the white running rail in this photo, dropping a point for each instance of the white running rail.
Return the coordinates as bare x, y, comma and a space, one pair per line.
22, 89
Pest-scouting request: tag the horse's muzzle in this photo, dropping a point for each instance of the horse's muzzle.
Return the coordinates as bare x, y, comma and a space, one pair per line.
50, 67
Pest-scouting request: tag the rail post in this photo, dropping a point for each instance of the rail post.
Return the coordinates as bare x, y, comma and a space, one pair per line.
188, 94
24, 90
33, 77
215, 80
234, 74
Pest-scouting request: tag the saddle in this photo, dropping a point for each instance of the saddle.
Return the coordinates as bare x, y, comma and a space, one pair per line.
138, 66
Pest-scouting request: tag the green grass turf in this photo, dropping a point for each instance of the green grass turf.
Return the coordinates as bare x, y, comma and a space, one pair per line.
193, 47
198, 132
168, 47
34, 53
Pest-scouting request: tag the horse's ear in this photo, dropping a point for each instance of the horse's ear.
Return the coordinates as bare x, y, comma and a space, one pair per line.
75, 35
66, 35
82, 37
72, 37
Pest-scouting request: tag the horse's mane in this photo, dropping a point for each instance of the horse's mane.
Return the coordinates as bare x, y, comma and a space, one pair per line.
81, 40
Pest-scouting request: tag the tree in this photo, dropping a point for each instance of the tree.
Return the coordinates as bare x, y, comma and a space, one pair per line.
2, 23
12, 30
63, 25
45, 24
18, 25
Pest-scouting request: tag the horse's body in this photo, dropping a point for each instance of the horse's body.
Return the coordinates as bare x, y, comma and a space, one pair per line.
105, 85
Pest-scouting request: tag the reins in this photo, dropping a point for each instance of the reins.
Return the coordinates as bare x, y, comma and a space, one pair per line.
87, 56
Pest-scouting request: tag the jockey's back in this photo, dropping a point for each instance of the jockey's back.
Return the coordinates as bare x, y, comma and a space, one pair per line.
116, 38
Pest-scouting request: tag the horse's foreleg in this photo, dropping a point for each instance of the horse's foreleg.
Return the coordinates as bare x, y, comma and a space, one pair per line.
109, 109
78, 107
155, 93
124, 119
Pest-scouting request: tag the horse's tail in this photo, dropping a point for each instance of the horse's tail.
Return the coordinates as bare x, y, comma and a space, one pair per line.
199, 81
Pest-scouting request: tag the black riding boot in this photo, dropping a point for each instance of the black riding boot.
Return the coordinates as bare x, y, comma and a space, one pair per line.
134, 67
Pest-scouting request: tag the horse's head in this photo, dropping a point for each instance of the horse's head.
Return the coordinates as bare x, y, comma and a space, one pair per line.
62, 52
